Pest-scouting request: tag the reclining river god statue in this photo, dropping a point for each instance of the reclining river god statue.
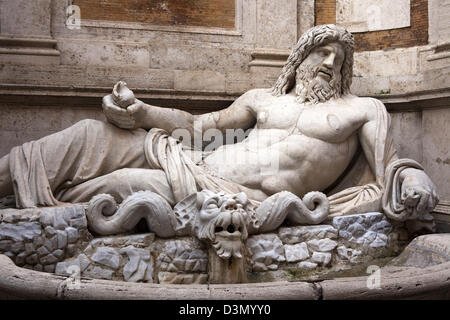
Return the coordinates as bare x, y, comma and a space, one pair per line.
306, 133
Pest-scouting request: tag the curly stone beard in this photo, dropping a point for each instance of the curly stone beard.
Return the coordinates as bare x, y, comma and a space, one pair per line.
314, 89
226, 244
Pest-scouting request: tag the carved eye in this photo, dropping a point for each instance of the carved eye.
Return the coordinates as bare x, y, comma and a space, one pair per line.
211, 205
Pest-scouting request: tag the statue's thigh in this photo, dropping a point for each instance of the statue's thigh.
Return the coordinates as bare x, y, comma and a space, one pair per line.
120, 184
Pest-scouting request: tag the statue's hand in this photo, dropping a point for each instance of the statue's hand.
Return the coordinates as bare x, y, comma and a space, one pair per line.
419, 194
129, 118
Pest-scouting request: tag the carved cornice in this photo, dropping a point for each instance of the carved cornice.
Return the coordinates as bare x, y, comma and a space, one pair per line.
443, 208
416, 101
28, 46
441, 51
44, 95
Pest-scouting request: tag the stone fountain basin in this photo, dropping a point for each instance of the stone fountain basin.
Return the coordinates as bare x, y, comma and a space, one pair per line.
421, 271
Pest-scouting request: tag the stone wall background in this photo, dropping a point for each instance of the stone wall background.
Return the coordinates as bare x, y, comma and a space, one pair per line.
52, 76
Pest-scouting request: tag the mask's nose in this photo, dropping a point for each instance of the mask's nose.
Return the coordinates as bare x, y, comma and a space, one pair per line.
229, 205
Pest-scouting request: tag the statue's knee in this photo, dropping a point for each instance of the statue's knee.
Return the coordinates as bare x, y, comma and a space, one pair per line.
138, 177
90, 126
87, 123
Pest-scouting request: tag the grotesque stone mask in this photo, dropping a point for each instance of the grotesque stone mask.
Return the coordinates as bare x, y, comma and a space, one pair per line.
222, 220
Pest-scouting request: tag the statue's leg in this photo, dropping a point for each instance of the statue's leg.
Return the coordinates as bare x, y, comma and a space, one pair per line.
89, 149
120, 184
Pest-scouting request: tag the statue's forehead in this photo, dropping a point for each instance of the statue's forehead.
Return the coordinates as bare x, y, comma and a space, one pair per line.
336, 45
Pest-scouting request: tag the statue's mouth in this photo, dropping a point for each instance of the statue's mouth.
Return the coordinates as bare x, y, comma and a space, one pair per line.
325, 73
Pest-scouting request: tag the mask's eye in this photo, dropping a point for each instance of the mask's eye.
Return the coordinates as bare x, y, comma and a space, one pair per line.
211, 205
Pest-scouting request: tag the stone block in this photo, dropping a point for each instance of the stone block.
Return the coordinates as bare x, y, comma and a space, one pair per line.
96, 272
293, 235
42, 251
21, 231
20, 259
29, 248
139, 266
38, 267
78, 223
265, 251
349, 254
5, 245
321, 245
199, 80
50, 268
52, 243
32, 259
307, 265
107, 257
17, 247
72, 234
48, 259
322, 258
62, 239
84, 261
81, 52
296, 252
369, 230
67, 268
59, 222
182, 256
182, 278
49, 231
46, 218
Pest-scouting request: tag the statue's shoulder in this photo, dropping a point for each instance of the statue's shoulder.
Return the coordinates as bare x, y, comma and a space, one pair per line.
255, 98
258, 93
368, 104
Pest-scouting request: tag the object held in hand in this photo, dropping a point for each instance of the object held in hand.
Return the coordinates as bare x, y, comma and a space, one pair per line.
123, 96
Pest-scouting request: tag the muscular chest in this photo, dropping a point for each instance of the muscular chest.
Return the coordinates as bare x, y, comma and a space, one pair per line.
327, 122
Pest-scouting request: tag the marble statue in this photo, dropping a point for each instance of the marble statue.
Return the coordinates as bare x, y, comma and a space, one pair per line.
309, 133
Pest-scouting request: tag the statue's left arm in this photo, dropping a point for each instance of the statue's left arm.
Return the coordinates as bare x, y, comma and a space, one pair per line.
408, 191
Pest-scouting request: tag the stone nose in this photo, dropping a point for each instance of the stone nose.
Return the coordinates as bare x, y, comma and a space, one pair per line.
329, 60
229, 205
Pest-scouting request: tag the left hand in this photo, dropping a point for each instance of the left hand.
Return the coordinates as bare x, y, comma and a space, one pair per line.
419, 194
130, 118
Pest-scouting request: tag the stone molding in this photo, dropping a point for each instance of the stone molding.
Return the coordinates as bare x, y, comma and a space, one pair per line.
405, 284
28, 46
441, 51
269, 58
443, 207
15, 93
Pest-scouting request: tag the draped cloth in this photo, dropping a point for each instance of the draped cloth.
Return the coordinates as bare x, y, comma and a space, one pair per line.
184, 175
67, 166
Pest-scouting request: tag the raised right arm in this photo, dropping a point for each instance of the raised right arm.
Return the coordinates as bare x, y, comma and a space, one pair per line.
141, 115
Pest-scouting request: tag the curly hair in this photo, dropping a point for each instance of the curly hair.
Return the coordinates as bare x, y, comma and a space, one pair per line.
314, 37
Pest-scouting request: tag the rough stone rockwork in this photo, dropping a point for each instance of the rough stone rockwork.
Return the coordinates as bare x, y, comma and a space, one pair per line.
125, 258
41, 237
57, 240
347, 241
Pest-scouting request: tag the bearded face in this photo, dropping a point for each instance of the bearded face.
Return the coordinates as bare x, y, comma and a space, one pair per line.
318, 78
222, 220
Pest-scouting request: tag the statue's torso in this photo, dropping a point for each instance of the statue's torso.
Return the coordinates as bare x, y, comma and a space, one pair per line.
293, 147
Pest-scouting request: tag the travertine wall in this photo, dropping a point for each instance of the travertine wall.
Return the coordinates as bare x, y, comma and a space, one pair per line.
52, 75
